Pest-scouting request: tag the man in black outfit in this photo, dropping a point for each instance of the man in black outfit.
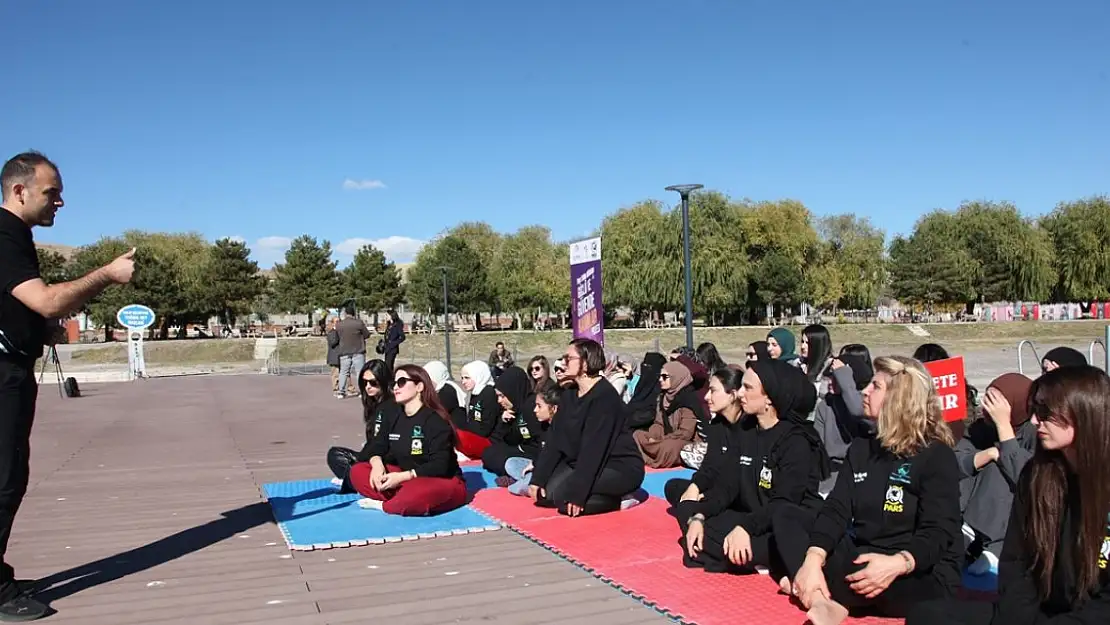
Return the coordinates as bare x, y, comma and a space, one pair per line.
32, 194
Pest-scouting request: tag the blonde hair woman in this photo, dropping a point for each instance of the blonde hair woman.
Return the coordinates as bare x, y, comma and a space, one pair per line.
888, 537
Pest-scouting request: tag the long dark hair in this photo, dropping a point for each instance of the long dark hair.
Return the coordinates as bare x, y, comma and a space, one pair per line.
544, 379
428, 396
1079, 397
818, 350
384, 377
709, 357
930, 352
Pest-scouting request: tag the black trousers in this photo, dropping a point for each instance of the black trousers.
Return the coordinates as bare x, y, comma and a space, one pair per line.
340, 460
782, 550
18, 394
494, 457
952, 612
389, 358
605, 496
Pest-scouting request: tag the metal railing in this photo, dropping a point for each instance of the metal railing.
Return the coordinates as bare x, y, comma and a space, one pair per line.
1033, 348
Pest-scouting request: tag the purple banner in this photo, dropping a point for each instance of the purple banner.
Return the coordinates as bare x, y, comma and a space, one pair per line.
587, 315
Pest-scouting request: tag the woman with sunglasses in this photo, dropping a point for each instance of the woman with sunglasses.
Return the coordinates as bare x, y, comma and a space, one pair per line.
1055, 566
482, 410
590, 462
676, 418
412, 470
539, 370
378, 410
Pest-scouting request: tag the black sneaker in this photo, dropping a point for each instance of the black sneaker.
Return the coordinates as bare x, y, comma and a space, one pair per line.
22, 609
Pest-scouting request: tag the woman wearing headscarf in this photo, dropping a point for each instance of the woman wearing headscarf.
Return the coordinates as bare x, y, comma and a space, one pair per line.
1058, 357
640, 409
519, 431
773, 461
839, 416
482, 410
780, 345
757, 351
450, 394
676, 420
631, 369
614, 373
992, 455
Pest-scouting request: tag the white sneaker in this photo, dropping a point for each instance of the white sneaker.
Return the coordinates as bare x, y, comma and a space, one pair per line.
336, 482
984, 564
369, 504
340, 396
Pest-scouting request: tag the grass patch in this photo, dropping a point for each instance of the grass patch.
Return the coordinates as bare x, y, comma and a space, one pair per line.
469, 346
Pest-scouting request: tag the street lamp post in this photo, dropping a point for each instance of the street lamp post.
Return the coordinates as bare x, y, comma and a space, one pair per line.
446, 321
684, 191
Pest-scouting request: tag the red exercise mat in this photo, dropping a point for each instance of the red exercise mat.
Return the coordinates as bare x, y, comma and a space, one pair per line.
637, 551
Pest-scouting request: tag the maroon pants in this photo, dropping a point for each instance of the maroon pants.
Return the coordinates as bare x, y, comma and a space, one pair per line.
420, 496
470, 444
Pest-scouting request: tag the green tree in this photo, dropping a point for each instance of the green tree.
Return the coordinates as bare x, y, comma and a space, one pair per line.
781, 231
374, 282
307, 280
850, 271
720, 268
52, 266
468, 289
232, 283
1079, 232
641, 260
1014, 257
531, 274
486, 243
931, 267
779, 279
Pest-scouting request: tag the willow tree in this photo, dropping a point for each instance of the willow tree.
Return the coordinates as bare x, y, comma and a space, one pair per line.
533, 272
641, 260
1013, 254
719, 259
851, 270
1079, 232
778, 235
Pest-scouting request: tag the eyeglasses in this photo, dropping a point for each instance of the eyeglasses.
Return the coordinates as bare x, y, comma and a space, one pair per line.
664, 376
750, 355
401, 382
371, 383
537, 368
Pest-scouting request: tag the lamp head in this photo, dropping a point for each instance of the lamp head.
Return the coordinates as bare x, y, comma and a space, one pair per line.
684, 189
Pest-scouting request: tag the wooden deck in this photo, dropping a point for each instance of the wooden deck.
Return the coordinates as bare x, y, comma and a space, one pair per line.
144, 507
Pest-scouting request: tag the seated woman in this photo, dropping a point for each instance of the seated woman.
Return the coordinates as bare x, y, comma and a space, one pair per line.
640, 409
590, 461
839, 416
450, 394
676, 419
991, 456
518, 469
1054, 567
482, 411
758, 350
518, 433
378, 410
780, 346
1059, 357
540, 372
773, 458
412, 469
888, 536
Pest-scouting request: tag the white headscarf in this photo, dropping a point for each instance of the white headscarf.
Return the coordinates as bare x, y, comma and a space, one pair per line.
440, 376
480, 373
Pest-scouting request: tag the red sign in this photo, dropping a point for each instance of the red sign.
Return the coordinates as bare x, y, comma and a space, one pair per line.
948, 377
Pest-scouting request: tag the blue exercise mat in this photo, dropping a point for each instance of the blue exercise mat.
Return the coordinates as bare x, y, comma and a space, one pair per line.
313, 515
654, 481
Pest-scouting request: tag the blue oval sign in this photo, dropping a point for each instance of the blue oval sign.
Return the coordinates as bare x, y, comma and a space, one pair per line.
135, 317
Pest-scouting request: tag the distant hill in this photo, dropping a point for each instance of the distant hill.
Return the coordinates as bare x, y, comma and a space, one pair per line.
65, 250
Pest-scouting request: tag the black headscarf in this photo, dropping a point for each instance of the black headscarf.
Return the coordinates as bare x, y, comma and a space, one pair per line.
515, 385
794, 397
1065, 357
760, 349
640, 410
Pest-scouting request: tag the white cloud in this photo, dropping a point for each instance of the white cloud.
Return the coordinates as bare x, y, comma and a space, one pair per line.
362, 185
273, 243
396, 248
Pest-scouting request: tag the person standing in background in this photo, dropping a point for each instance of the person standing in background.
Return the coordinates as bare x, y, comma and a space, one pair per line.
332, 337
394, 336
31, 188
351, 350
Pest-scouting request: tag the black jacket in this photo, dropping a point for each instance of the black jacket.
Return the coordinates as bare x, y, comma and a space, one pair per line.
525, 432
424, 442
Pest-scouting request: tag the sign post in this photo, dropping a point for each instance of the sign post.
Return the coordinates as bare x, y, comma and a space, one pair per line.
587, 315
951, 385
135, 318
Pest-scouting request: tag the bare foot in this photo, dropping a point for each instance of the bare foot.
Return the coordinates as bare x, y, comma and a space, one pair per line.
827, 612
785, 587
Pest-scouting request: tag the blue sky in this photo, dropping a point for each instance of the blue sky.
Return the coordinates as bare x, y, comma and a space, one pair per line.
390, 121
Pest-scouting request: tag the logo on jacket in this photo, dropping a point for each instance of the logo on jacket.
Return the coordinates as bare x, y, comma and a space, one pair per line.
745, 461
417, 447
476, 412
377, 424
859, 477
894, 499
901, 474
765, 477
1104, 553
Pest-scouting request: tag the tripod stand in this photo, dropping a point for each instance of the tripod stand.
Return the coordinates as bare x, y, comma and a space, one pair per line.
52, 355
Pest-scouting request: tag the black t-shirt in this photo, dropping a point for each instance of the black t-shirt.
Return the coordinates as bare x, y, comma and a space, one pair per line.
22, 330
